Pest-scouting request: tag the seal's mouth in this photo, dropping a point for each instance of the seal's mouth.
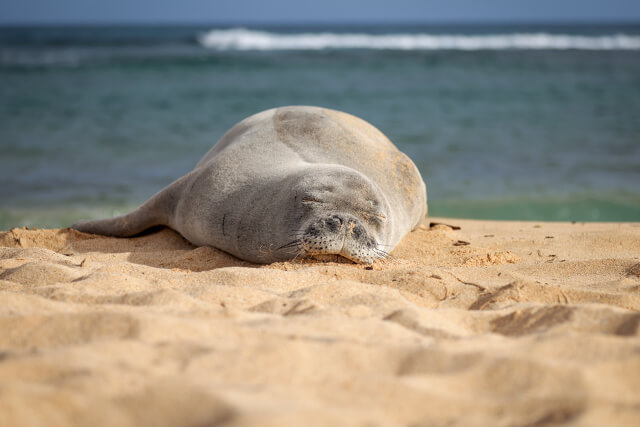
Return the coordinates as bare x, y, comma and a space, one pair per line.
337, 237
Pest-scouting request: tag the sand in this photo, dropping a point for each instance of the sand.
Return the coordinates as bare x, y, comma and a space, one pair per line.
494, 324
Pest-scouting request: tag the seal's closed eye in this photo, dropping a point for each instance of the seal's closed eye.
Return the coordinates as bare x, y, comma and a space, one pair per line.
311, 199
380, 217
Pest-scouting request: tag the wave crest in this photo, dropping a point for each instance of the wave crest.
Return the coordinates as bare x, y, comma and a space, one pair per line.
245, 39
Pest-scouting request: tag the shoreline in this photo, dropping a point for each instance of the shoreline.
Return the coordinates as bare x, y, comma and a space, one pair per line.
497, 323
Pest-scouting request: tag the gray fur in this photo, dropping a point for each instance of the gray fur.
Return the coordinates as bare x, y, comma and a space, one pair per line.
289, 182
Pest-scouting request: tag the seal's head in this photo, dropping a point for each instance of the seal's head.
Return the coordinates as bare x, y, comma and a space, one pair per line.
341, 212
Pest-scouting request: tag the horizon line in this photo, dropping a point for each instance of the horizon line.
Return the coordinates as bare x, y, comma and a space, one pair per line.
231, 23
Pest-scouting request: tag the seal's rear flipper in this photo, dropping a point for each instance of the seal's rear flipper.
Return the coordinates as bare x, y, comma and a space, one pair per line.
156, 211
122, 226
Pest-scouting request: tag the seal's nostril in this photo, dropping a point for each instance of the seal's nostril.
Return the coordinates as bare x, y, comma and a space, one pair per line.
333, 223
357, 231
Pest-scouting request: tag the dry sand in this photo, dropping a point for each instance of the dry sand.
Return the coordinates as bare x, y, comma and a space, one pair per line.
496, 324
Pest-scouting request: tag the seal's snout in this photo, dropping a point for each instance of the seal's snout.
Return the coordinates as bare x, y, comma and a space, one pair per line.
343, 235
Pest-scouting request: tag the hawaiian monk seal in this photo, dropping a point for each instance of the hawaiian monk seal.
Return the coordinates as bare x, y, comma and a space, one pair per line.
289, 182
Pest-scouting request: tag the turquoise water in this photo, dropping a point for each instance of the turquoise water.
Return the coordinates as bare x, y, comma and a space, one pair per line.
533, 123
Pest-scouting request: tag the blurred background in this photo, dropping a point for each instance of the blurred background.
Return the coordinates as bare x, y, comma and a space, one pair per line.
511, 110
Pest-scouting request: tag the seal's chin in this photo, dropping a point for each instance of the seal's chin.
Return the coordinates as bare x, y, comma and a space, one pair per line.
340, 235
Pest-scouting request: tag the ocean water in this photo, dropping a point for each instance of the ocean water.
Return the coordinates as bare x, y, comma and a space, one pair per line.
504, 122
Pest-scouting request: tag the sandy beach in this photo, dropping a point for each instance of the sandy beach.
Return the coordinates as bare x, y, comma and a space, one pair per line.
494, 323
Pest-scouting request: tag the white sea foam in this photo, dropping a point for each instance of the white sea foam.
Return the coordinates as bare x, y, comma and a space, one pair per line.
244, 39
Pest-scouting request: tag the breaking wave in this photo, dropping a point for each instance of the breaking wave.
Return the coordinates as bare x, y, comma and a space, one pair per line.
245, 39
